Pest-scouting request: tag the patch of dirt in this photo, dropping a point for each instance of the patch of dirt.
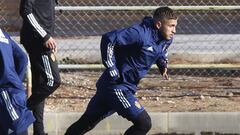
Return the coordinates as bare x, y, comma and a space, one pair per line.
180, 94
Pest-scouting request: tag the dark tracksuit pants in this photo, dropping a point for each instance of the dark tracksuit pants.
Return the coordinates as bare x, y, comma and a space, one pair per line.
45, 79
104, 104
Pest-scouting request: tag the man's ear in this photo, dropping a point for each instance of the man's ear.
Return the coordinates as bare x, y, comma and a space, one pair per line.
158, 24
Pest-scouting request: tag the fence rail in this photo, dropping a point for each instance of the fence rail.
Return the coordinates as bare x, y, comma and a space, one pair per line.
132, 8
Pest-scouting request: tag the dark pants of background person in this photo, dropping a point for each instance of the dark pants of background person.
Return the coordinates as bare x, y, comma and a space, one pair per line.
45, 79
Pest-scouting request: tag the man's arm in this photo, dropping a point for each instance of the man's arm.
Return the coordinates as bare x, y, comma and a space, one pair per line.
20, 59
162, 61
26, 11
162, 66
124, 37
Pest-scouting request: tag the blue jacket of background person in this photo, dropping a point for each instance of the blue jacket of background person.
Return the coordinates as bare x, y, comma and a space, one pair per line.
129, 53
13, 63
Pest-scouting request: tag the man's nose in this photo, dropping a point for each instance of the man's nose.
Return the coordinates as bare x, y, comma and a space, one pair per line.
174, 30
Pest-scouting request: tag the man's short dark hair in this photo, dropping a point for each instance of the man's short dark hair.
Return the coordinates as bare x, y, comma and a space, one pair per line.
163, 13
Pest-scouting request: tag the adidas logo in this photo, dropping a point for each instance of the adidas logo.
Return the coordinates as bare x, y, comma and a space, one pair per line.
150, 48
10, 131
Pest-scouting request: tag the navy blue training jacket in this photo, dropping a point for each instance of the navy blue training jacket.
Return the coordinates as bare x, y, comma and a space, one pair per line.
13, 63
129, 53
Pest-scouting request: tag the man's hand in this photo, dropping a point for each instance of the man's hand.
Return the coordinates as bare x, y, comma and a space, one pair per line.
51, 44
165, 74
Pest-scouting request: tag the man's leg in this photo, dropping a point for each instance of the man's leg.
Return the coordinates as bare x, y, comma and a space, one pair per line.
38, 112
84, 124
96, 111
45, 79
127, 105
36, 100
141, 125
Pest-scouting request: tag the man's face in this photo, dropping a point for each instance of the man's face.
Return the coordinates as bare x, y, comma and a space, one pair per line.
168, 28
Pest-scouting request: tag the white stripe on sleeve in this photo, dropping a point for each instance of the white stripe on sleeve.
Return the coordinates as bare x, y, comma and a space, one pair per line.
36, 25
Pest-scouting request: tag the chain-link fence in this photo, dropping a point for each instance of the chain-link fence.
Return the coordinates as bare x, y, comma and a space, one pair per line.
203, 36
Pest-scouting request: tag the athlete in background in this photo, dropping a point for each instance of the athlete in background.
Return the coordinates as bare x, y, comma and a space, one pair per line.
37, 38
15, 117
